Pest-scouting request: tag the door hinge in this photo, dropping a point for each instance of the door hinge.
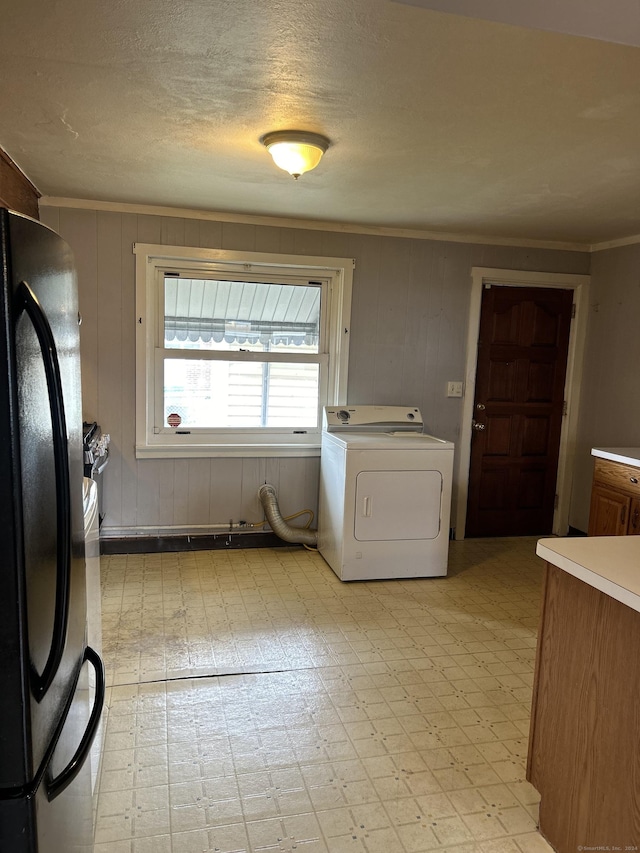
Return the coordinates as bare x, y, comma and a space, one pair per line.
556, 501
565, 408
573, 311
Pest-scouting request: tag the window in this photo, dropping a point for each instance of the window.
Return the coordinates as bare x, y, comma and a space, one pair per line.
237, 353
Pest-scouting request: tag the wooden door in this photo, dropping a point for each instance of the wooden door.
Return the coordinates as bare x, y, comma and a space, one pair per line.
518, 409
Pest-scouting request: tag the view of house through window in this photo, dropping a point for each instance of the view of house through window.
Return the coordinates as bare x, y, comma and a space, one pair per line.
237, 352
237, 317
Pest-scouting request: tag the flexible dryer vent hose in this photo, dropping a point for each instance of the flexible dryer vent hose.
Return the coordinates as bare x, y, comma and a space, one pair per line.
269, 501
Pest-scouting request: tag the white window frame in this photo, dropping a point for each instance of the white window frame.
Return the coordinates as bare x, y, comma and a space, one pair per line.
153, 438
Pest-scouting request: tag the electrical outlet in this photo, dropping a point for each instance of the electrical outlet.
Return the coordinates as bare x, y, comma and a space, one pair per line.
454, 389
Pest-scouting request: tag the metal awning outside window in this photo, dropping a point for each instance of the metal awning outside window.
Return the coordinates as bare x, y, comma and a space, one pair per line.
241, 312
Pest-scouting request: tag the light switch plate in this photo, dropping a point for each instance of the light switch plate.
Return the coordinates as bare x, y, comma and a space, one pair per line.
454, 389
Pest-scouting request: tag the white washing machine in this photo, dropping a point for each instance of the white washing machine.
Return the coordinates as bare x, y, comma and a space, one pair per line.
385, 494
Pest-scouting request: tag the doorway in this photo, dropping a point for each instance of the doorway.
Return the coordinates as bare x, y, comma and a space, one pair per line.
504, 485
518, 405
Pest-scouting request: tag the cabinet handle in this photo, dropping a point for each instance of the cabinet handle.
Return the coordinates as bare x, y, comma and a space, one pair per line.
633, 480
623, 515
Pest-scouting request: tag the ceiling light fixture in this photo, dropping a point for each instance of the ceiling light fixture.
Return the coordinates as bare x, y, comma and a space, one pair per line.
295, 151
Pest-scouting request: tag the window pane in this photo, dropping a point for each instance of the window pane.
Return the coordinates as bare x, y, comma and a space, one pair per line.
233, 315
227, 394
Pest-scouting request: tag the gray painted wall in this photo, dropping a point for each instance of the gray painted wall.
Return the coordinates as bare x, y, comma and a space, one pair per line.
610, 400
409, 325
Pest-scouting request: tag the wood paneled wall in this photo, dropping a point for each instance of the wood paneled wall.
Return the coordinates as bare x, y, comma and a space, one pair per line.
409, 325
16, 190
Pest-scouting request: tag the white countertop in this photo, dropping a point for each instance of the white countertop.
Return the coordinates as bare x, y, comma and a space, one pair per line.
626, 455
608, 563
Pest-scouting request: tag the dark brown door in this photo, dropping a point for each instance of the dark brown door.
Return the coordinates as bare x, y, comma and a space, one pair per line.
518, 406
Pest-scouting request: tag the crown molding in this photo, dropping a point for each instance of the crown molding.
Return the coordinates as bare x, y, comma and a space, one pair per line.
308, 224
615, 244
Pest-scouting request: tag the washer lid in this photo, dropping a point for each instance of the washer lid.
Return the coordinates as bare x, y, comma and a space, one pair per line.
373, 418
400, 441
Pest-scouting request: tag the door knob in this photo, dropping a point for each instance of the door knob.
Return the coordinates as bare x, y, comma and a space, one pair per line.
478, 426
480, 407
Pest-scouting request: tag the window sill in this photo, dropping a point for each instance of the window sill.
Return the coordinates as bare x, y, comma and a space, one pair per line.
198, 451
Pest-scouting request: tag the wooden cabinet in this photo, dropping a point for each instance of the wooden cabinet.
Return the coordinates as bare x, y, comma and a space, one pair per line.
634, 517
615, 499
584, 745
16, 190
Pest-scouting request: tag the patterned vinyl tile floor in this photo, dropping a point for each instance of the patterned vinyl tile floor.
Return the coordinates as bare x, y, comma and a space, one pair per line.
256, 703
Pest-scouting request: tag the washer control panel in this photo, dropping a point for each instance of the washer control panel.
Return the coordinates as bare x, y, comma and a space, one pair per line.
372, 418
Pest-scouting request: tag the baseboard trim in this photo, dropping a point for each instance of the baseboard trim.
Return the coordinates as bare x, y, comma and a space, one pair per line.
206, 542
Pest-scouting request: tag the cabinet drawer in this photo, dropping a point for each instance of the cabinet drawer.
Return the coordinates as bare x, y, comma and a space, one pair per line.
617, 475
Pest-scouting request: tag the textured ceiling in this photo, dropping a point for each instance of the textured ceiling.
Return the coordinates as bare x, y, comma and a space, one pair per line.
437, 121
615, 20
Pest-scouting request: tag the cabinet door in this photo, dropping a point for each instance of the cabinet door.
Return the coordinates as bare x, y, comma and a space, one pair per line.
634, 517
609, 514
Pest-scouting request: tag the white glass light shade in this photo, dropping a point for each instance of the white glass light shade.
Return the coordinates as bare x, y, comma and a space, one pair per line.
295, 151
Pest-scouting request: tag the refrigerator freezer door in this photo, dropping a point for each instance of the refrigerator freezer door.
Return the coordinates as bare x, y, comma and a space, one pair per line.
40, 259
55, 816
32, 495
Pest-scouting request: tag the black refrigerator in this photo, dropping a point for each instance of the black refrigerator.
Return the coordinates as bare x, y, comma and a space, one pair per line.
46, 721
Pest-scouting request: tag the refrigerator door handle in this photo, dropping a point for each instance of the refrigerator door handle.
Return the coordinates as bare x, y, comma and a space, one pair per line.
56, 786
26, 300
